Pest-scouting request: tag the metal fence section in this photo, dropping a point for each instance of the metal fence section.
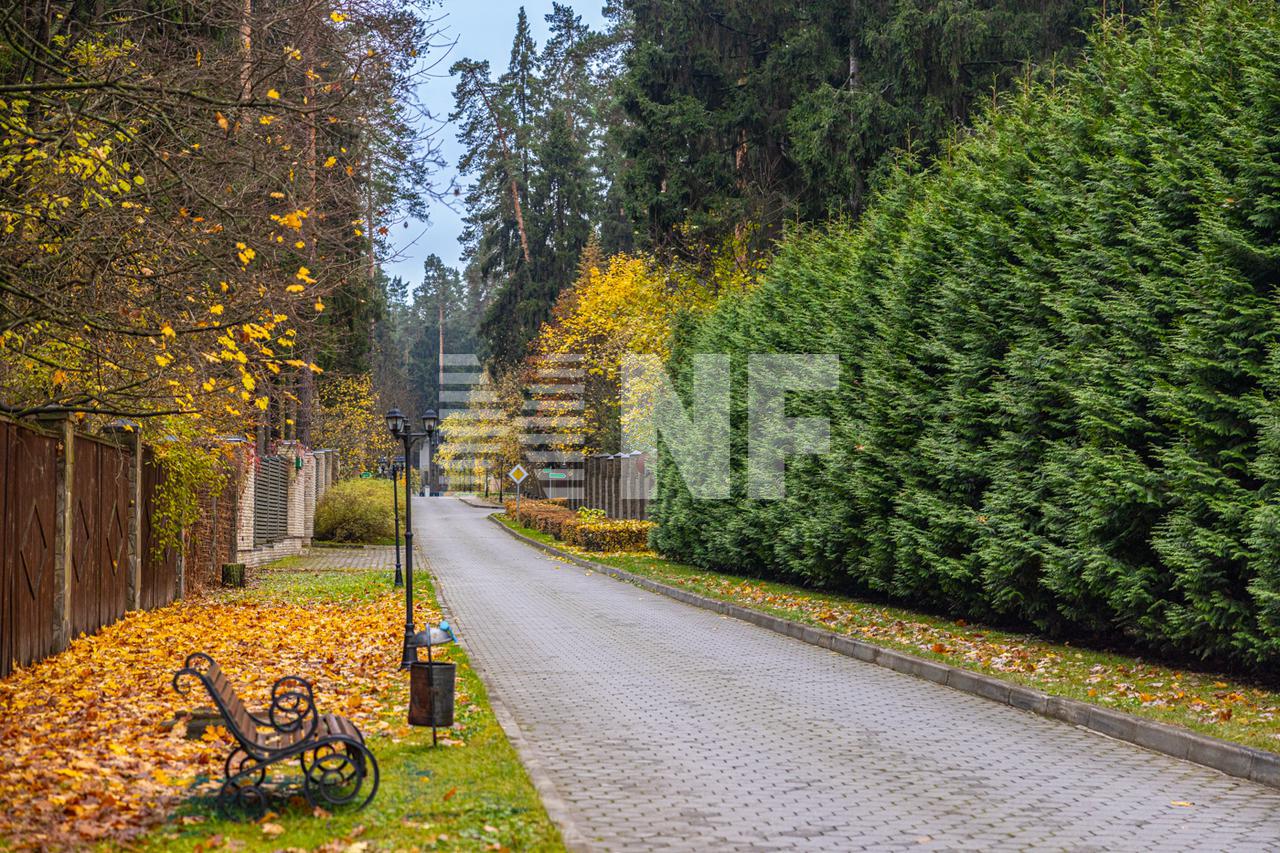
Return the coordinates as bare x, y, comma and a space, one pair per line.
618, 483
271, 500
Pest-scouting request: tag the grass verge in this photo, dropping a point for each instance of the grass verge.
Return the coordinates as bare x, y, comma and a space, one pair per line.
1206, 702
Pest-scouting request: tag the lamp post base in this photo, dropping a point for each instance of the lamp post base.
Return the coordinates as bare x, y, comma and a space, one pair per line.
409, 655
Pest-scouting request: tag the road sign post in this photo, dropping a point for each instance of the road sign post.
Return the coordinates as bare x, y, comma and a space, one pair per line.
518, 475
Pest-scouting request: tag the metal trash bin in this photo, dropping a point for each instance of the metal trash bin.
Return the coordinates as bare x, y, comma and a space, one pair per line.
431, 694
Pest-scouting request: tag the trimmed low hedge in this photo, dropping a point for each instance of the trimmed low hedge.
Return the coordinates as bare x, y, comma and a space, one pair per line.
554, 518
550, 517
611, 535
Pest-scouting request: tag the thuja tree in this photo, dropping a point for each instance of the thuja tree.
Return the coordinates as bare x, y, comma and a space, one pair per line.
1059, 351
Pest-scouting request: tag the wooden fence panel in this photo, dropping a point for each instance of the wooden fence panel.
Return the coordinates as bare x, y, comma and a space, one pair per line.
613, 467
82, 596
100, 535
7, 608
30, 527
8, 654
158, 581
619, 485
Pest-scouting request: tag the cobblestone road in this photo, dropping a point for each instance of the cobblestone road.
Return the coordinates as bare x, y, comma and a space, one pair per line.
663, 726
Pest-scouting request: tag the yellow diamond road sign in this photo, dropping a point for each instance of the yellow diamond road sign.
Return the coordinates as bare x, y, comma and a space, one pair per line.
518, 474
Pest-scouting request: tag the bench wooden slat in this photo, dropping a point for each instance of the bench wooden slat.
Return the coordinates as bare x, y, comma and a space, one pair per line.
336, 725
240, 718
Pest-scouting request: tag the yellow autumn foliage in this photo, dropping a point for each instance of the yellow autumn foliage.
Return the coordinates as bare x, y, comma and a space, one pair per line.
89, 758
484, 441
626, 304
349, 422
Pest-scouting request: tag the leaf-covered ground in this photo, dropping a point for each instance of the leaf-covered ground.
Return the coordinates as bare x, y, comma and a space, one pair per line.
91, 754
1206, 702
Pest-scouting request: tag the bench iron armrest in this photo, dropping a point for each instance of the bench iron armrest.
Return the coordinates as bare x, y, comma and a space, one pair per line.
196, 666
293, 707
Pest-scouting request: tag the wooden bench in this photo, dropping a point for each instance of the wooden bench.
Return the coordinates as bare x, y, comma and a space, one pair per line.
335, 762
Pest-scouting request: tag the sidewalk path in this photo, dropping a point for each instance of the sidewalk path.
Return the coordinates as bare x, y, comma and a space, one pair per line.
663, 726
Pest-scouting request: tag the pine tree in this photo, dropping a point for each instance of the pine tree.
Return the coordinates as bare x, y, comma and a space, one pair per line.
537, 185
766, 112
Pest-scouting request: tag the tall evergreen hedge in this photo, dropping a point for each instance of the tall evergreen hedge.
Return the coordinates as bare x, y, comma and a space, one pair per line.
1061, 378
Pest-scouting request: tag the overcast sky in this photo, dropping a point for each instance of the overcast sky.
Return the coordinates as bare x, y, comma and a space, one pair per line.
484, 30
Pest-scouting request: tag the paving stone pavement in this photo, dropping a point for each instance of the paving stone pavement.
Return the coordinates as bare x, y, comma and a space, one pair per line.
368, 558
667, 727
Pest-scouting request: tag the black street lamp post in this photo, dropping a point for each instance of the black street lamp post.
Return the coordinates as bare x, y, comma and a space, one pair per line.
395, 503
397, 423
431, 467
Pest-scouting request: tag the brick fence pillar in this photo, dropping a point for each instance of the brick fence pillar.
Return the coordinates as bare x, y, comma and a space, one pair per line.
243, 541
308, 497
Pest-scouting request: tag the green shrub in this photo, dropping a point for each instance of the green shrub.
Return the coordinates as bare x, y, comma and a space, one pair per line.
356, 511
1060, 350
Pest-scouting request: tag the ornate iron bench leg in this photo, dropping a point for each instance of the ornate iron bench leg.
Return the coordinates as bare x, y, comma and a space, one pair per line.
335, 774
243, 789
239, 762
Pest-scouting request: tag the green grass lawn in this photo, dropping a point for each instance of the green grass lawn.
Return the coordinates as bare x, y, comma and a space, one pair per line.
470, 793
1207, 702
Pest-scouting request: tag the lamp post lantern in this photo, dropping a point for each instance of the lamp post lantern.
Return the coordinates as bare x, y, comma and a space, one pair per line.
398, 425
429, 427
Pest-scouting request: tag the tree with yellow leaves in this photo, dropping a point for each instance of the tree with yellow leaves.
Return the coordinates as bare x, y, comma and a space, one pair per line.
349, 421
183, 211
190, 210
626, 304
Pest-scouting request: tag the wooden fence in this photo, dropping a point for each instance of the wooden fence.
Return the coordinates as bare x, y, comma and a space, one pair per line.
28, 544
77, 543
159, 576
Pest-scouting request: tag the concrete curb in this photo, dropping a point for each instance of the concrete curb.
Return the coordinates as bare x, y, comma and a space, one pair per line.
478, 503
1233, 759
557, 809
